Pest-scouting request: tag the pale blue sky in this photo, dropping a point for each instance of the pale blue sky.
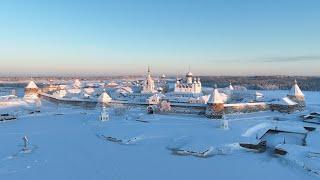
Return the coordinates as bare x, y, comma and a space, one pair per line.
225, 37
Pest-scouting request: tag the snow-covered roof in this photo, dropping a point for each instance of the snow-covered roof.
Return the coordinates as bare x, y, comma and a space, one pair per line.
84, 95
88, 90
104, 98
61, 93
245, 104
157, 95
215, 97
112, 84
205, 98
32, 85
259, 94
261, 128
295, 90
285, 101
288, 101
77, 83
126, 89
74, 91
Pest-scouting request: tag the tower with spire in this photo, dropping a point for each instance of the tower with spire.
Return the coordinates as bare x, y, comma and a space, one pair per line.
148, 84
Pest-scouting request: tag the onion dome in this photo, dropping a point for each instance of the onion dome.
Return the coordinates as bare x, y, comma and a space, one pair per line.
189, 74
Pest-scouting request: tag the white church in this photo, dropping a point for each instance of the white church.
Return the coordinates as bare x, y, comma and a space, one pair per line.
148, 85
189, 85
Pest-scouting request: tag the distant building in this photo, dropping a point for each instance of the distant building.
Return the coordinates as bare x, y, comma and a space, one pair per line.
294, 101
104, 98
31, 90
155, 99
104, 116
77, 84
296, 95
215, 107
231, 88
284, 105
148, 84
295, 90
162, 85
189, 85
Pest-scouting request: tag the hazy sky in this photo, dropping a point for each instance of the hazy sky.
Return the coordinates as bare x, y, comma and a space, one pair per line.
225, 37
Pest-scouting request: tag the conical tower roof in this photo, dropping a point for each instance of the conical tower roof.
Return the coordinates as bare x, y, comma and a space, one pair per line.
231, 87
295, 90
215, 97
32, 85
104, 98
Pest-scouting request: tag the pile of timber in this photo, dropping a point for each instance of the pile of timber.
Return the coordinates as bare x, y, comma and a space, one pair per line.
260, 146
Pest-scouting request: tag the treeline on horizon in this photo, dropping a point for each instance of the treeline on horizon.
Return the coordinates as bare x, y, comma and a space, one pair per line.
306, 83
263, 82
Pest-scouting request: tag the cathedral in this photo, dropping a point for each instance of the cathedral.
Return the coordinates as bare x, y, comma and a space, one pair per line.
189, 85
148, 84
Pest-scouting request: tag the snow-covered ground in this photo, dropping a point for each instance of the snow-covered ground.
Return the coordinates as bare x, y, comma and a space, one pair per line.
69, 142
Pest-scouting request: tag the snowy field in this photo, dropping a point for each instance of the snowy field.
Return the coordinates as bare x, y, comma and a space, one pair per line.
69, 142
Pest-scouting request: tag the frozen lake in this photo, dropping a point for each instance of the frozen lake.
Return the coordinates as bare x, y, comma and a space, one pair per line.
66, 144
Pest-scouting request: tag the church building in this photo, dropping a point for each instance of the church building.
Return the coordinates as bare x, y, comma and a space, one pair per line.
148, 84
189, 85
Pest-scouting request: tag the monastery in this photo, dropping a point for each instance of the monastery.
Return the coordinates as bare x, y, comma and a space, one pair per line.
186, 96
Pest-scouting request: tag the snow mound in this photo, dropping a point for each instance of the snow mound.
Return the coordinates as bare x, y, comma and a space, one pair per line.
302, 156
12, 103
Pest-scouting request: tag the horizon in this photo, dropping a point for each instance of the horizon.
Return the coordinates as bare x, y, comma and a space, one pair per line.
84, 75
213, 38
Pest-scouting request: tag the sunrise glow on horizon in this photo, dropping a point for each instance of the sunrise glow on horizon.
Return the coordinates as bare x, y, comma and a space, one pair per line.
237, 37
